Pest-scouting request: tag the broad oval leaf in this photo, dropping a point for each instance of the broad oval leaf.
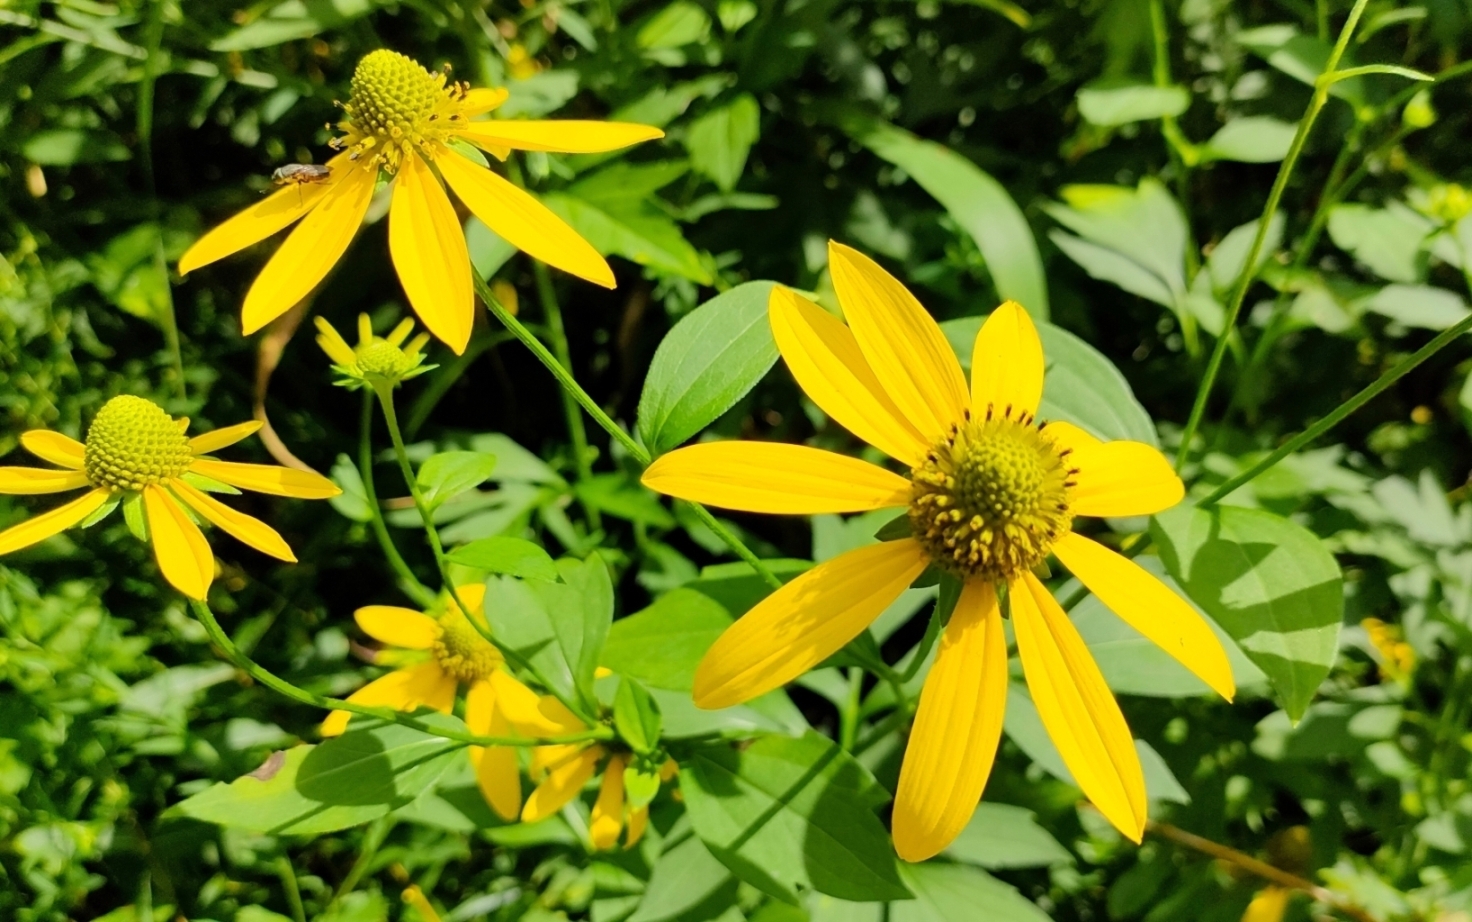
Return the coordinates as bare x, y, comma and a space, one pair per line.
451, 473
662, 644
1005, 836
956, 893
504, 554
1111, 102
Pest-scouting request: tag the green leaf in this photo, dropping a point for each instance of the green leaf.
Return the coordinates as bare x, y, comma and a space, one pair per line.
1269, 582
956, 893
1228, 257
539, 94
66, 146
737, 587
352, 502
641, 782
1250, 139
619, 495
1388, 240
450, 473
1004, 836
711, 359
974, 200
719, 140
636, 716
632, 228
1302, 57
679, 24
511, 556
788, 814
1142, 229
684, 877
663, 644
1110, 102
291, 20
1419, 306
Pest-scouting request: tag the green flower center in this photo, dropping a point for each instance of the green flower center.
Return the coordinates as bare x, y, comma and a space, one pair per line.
395, 106
384, 359
461, 651
991, 498
132, 443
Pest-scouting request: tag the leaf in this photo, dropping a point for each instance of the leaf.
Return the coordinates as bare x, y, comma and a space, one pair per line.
539, 94
679, 24
663, 644
451, 473
788, 814
708, 361
618, 494
633, 230
1228, 257
1250, 139
683, 877
1387, 240
511, 556
1302, 57
1270, 583
720, 140
956, 893
291, 20
1004, 836
352, 502
1419, 306
636, 716
66, 146
974, 200
737, 587
1081, 385
1110, 102
1111, 266
1145, 225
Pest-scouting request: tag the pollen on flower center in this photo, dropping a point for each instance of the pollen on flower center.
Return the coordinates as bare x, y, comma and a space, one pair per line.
132, 443
991, 498
461, 651
395, 106
384, 359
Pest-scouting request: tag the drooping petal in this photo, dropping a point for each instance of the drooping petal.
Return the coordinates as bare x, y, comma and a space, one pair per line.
638, 822
957, 728
59, 449
40, 527
496, 772
523, 221
805, 622
398, 627
1069, 437
210, 442
828, 365
563, 782
563, 137
1122, 478
532, 715
403, 690
774, 477
607, 819
34, 481
1007, 363
267, 478
263, 219
245, 528
184, 557
482, 99
1077, 708
311, 250
429, 253
901, 342
1150, 607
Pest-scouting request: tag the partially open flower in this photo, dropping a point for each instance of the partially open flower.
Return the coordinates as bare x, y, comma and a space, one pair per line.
375, 360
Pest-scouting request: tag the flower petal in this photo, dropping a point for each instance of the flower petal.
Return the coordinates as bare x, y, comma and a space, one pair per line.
774, 477
1077, 708
1007, 363
429, 253
1269, 905
403, 690
263, 219
1069, 437
267, 478
607, 819
562, 784
56, 448
398, 627
40, 527
1150, 607
1122, 478
530, 714
331, 342
306, 256
957, 728
244, 528
473, 595
526, 223
184, 557
805, 622
496, 772
563, 137
33, 481
482, 99
901, 342
638, 822
828, 365
209, 442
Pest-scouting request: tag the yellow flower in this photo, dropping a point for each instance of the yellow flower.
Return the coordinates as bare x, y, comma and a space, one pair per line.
386, 360
137, 453
401, 119
458, 655
990, 494
1397, 658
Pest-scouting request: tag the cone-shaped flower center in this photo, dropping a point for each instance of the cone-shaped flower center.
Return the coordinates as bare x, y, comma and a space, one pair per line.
461, 651
991, 498
396, 105
384, 359
132, 443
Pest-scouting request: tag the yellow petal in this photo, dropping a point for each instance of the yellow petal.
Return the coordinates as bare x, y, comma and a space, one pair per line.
33, 481
55, 447
901, 342
496, 772
1122, 478
523, 221
805, 622
402, 690
209, 442
774, 477
473, 595
1269, 905
40, 527
1150, 607
561, 785
957, 728
530, 714
398, 627
607, 819
481, 100
331, 342
563, 137
638, 822
183, 555
1007, 363
828, 365
262, 219
242, 527
267, 478
306, 256
1068, 437
1077, 708
428, 249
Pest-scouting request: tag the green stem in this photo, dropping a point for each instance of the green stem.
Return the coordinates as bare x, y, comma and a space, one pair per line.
416, 590
287, 873
1275, 197
372, 840
848, 717
153, 40
736, 544
582, 459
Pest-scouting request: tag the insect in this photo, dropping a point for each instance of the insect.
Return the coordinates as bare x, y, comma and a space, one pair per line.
300, 174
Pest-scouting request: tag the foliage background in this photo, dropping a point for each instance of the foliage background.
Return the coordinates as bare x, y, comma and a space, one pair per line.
126, 129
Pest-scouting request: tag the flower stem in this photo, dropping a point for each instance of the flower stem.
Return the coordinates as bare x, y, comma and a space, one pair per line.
416, 590
582, 459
